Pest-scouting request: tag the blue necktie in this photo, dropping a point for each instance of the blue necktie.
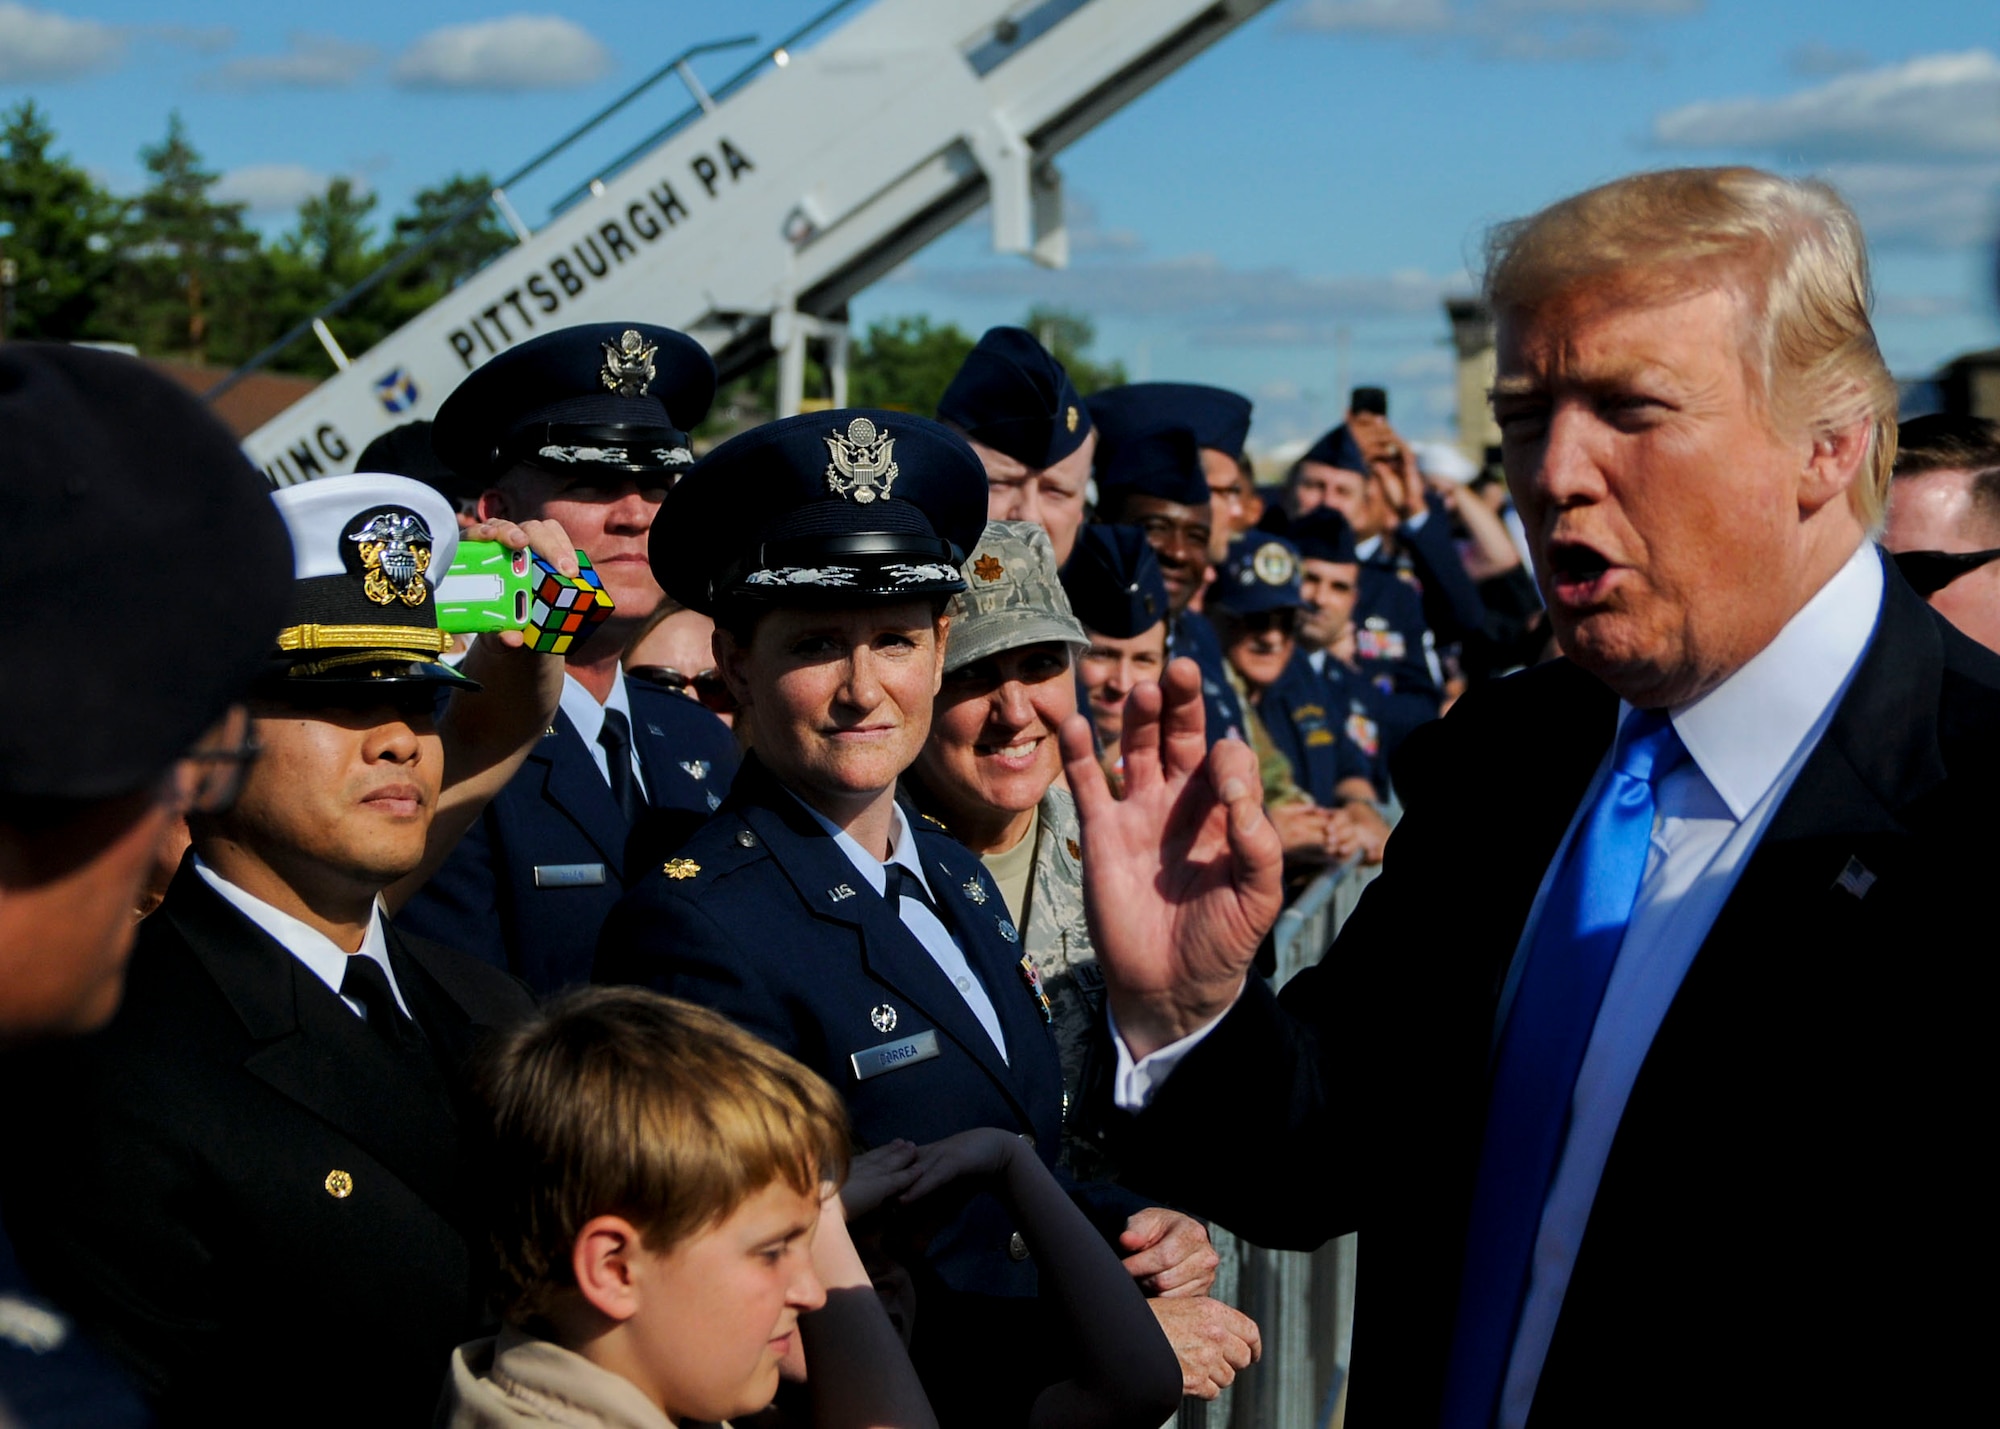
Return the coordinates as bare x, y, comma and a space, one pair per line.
1541, 1050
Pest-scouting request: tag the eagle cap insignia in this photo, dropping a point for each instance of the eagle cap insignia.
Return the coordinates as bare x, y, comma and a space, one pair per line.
628, 364
1273, 563
863, 462
680, 868
395, 550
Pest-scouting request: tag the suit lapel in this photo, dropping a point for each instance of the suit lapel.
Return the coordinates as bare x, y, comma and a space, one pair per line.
890, 952
574, 784
313, 1049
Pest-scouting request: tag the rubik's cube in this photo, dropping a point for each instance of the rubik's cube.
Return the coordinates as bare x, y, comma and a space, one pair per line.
566, 608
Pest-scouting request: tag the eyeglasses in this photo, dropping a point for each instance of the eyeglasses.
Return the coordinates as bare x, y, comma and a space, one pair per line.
209, 777
1931, 571
706, 686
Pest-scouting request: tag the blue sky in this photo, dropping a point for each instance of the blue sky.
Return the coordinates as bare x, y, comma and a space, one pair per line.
1289, 208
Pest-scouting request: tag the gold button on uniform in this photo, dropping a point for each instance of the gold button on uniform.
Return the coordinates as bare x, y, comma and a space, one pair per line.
339, 1185
1017, 1249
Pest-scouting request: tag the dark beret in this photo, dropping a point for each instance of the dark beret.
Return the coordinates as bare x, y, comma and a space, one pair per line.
1219, 419
599, 397
1012, 395
148, 573
1324, 535
1113, 581
1165, 463
826, 508
1338, 448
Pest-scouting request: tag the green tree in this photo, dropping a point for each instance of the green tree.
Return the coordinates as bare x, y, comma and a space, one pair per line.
56, 224
470, 244
1069, 336
192, 277
330, 248
905, 363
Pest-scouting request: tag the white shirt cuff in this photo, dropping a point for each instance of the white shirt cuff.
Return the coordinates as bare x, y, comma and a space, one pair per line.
1416, 522
1136, 1082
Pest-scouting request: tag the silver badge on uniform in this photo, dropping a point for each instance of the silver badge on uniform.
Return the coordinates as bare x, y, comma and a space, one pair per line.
1007, 931
874, 1061
696, 768
841, 893
883, 1018
974, 891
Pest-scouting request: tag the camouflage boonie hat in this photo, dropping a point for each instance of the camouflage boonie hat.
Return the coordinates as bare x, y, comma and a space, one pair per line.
1012, 597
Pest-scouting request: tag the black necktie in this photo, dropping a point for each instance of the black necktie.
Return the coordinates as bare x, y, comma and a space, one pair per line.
367, 984
899, 883
616, 737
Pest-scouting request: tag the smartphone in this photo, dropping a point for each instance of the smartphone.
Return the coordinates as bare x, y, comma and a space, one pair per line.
1369, 399
489, 587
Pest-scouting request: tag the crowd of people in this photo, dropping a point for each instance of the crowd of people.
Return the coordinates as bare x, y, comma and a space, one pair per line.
828, 991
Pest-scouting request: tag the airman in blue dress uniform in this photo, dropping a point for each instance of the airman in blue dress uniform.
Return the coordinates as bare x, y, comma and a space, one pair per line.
1330, 581
1153, 481
812, 910
588, 425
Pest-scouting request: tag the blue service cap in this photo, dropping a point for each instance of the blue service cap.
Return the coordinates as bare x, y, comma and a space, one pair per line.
1219, 419
1165, 463
585, 400
1261, 573
1012, 395
1338, 448
846, 507
1113, 581
1324, 535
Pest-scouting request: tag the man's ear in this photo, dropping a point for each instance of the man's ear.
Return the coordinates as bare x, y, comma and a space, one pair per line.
1833, 464
602, 1261
494, 506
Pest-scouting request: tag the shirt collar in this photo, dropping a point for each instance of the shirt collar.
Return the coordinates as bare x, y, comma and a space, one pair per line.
903, 851
1743, 733
586, 713
303, 941
1365, 550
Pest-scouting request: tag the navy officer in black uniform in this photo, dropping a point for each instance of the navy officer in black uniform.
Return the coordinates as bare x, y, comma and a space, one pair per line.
586, 426
254, 1186
812, 910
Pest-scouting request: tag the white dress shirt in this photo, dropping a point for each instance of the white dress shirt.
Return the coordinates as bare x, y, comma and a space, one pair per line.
588, 716
921, 922
306, 943
1746, 739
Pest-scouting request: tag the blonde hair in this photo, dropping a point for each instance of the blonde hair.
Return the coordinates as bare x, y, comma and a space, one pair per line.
619, 1101
1791, 247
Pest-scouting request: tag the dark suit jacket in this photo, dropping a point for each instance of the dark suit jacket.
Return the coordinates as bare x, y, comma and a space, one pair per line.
1792, 1209
166, 1182
557, 815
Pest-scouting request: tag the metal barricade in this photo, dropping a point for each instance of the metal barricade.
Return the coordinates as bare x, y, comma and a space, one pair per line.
1303, 1302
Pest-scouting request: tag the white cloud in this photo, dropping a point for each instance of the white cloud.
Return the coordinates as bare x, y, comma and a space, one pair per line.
1929, 107
308, 62
1380, 17
37, 46
1938, 206
1816, 59
516, 53
1216, 304
266, 189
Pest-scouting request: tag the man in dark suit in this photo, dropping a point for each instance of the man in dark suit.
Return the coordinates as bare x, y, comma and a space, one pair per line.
255, 1185
1682, 1082
586, 426
119, 475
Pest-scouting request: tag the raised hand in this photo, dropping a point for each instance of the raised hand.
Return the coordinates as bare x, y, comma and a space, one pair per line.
1182, 877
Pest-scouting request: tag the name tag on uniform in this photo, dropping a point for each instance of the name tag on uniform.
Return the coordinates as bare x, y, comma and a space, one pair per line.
568, 875
890, 1055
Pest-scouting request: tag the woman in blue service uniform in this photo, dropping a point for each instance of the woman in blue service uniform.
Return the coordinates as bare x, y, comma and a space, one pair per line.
812, 910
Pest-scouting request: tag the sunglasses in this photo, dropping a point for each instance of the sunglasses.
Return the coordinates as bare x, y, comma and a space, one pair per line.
705, 685
1931, 571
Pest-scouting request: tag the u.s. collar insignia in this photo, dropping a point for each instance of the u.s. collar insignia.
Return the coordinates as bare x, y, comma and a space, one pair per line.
883, 1018
1069, 417
1272, 563
680, 868
987, 568
695, 768
395, 550
974, 891
628, 367
864, 462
